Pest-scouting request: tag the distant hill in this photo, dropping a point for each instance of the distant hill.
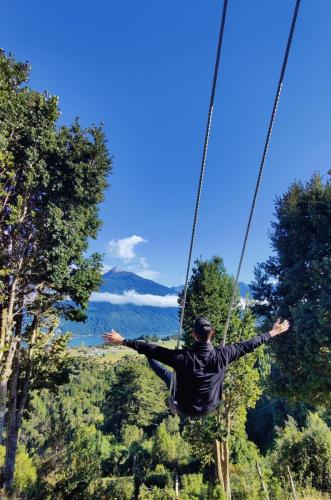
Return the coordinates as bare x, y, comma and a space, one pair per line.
130, 319
118, 281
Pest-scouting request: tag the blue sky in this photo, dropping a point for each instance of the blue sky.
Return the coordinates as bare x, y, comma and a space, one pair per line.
144, 69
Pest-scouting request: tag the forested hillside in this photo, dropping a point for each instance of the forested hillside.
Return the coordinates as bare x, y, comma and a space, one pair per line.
130, 319
107, 433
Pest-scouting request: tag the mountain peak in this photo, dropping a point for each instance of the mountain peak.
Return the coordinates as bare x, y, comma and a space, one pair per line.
115, 270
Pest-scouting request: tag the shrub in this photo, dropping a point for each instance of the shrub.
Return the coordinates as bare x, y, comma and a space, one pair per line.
156, 493
193, 487
119, 488
159, 477
307, 452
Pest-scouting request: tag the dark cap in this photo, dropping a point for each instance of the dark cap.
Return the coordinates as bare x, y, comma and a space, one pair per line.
203, 327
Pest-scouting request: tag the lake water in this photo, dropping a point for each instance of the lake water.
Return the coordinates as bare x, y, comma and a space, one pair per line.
92, 340
86, 340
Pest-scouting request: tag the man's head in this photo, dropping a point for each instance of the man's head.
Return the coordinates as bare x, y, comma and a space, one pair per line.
203, 330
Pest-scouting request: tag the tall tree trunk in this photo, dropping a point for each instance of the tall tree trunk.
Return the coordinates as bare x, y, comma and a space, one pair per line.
16, 406
4, 378
7, 355
3, 317
218, 463
3, 406
225, 458
11, 439
225, 466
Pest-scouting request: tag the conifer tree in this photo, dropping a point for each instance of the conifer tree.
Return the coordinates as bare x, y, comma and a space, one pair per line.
296, 283
209, 293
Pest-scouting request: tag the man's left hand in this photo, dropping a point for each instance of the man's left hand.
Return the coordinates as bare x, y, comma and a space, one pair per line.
279, 327
113, 338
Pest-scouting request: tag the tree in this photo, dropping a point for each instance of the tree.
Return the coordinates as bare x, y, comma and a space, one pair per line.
193, 487
160, 477
51, 181
87, 449
49, 361
209, 293
307, 452
169, 448
60, 431
137, 397
156, 493
295, 283
118, 488
245, 482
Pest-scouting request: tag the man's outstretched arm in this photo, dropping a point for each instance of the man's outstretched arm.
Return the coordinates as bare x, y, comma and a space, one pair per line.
235, 351
153, 351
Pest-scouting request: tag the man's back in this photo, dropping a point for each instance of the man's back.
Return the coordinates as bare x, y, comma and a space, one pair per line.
200, 370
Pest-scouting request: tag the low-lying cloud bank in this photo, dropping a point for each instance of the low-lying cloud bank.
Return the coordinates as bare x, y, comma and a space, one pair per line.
138, 299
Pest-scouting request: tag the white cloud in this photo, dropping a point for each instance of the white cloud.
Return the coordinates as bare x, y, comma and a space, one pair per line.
124, 248
138, 299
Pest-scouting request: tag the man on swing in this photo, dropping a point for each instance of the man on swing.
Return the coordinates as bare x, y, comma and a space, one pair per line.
200, 370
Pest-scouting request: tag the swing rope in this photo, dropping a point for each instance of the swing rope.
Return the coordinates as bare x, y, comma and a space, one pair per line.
203, 166
262, 165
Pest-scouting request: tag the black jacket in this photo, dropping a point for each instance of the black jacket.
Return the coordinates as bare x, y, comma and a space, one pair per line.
200, 370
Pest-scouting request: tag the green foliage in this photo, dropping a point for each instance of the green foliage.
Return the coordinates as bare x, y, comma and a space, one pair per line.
245, 482
76, 403
119, 488
60, 431
307, 452
309, 493
51, 182
193, 487
25, 471
85, 453
74, 455
160, 477
295, 283
137, 396
54, 180
243, 451
170, 449
131, 435
156, 493
208, 294
217, 493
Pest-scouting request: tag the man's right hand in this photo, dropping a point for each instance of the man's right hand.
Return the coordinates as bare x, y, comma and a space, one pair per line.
279, 327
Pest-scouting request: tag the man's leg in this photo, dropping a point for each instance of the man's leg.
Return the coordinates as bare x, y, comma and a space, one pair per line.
161, 371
